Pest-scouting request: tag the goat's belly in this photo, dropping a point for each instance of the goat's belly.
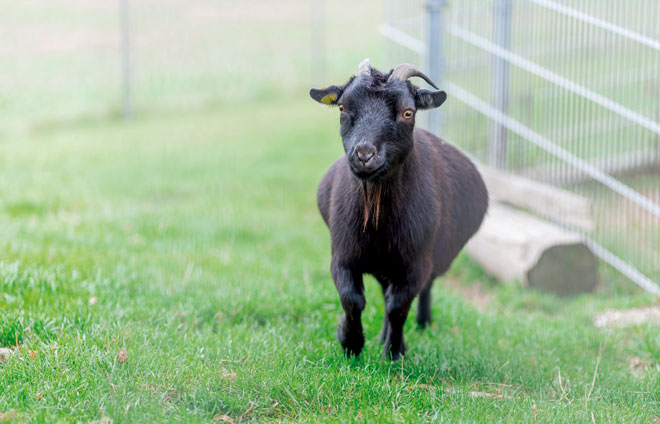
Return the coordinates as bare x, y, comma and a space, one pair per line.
378, 260
390, 249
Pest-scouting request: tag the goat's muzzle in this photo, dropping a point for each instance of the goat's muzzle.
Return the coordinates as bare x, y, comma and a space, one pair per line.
364, 161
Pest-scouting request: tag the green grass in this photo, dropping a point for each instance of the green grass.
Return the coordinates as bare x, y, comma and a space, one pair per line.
197, 240
190, 238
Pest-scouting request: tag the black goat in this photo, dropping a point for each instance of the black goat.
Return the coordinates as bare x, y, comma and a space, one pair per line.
400, 205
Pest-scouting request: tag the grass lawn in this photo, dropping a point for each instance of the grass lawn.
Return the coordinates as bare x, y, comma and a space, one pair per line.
194, 243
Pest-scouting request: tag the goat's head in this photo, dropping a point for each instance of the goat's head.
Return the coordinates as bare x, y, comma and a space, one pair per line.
377, 116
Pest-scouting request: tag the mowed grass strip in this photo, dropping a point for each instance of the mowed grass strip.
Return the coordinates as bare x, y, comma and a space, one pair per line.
194, 243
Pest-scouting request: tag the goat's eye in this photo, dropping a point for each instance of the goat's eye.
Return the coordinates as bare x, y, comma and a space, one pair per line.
342, 109
407, 114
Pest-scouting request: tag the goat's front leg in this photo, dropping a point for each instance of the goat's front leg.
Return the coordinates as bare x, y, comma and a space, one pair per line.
398, 298
397, 306
351, 293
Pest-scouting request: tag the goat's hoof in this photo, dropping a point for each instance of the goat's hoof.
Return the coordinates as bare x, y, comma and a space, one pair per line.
393, 356
352, 349
396, 354
422, 325
351, 352
423, 320
351, 342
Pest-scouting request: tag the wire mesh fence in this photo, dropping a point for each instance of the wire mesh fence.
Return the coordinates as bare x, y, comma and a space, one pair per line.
564, 92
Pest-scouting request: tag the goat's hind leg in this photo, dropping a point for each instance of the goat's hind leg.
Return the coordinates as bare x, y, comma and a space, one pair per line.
386, 322
424, 306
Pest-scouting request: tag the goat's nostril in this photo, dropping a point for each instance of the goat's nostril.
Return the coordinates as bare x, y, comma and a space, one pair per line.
364, 157
364, 153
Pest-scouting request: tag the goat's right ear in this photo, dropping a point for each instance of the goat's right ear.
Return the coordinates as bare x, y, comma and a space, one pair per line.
326, 95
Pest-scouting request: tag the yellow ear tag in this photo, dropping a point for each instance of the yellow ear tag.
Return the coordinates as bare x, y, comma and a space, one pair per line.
329, 98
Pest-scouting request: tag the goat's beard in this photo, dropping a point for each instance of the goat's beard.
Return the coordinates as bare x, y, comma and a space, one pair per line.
371, 202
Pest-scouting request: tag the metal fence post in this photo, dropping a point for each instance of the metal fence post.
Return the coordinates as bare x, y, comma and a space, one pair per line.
127, 106
500, 80
435, 57
390, 22
317, 42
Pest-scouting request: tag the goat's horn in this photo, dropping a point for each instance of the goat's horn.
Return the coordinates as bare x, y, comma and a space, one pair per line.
405, 71
364, 68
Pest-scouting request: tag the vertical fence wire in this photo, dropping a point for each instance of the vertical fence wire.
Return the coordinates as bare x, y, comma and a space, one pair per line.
317, 42
126, 65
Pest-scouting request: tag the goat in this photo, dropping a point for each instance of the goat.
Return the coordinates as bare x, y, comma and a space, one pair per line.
400, 204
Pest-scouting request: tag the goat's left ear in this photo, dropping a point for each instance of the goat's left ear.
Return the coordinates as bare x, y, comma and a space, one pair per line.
326, 95
426, 99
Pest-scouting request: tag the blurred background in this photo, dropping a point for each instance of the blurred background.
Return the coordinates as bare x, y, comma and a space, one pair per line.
565, 93
78, 59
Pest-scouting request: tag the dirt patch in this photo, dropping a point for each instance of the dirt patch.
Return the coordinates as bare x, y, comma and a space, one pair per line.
638, 365
627, 318
475, 294
5, 353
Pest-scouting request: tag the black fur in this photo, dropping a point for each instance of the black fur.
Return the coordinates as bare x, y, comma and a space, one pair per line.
400, 204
